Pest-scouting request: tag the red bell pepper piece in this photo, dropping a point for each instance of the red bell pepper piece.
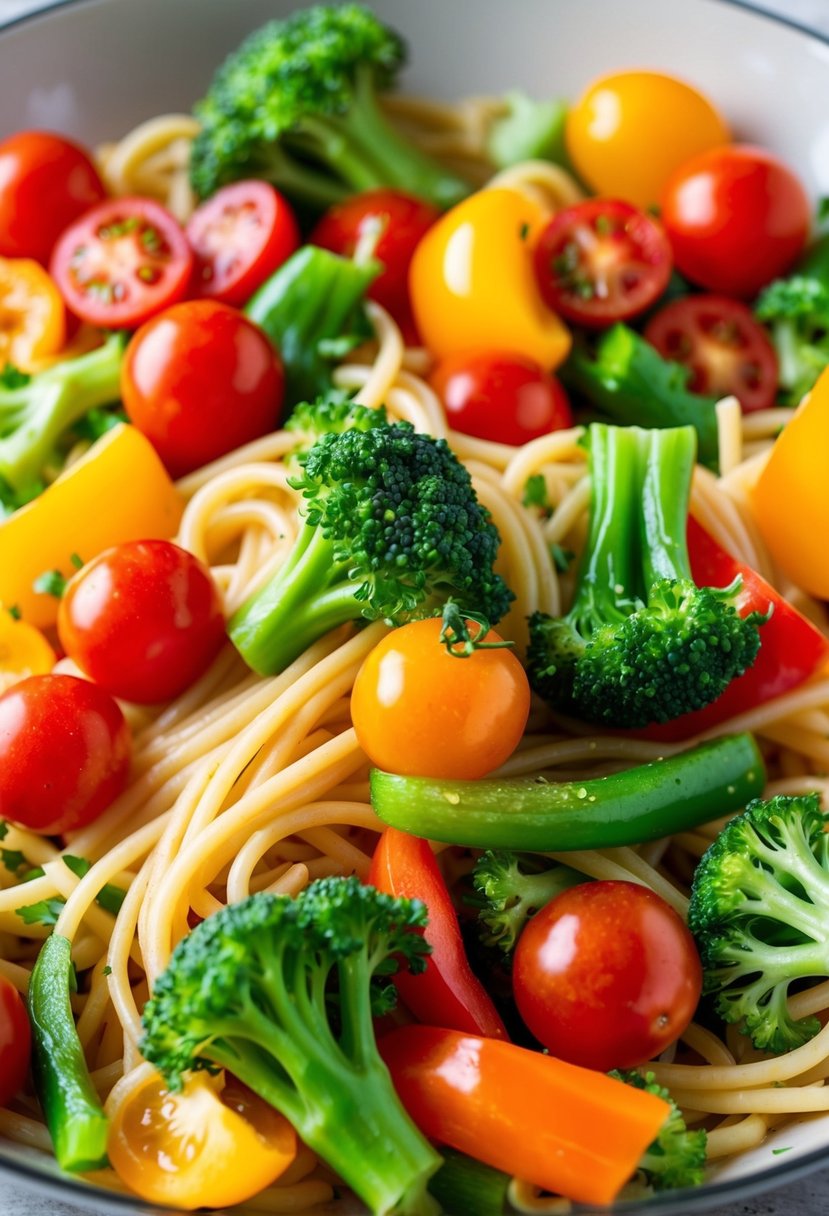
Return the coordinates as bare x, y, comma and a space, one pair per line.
447, 993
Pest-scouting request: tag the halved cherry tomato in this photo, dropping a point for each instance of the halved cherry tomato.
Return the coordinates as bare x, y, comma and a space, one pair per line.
46, 182
15, 1041
421, 711
736, 218
601, 261
240, 236
32, 315
447, 993
199, 380
398, 221
143, 620
500, 396
64, 753
722, 345
122, 262
24, 651
606, 975
198, 1148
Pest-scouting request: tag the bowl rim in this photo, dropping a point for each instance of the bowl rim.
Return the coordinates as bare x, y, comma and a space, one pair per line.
688, 1200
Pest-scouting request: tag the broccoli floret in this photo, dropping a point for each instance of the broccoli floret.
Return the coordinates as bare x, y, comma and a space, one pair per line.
510, 888
528, 130
760, 915
333, 413
677, 1156
392, 530
796, 311
642, 642
297, 105
282, 992
36, 412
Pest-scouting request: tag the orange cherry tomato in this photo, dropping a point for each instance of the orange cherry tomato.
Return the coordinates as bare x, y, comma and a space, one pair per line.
421, 711
198, 1148
32, 315
630, 130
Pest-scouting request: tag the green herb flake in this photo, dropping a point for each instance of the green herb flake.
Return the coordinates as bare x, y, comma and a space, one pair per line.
45, 912
51, 582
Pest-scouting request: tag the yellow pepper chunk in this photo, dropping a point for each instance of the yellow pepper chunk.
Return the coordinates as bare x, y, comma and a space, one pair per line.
118, 491
24, 651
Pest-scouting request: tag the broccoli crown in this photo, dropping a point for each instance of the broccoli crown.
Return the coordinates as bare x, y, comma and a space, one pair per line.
760, 915
796, 310
510, 888
642, 642
282, 992
677, 1156
332, 413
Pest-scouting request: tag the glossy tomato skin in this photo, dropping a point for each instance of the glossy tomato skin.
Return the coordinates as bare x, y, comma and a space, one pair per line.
15, 1041
46, 182
736, 218
726, 350
240, 236
64, 753
499, 396
200, 380
122, 262
143, 620
402, 221
606, 975
420, 711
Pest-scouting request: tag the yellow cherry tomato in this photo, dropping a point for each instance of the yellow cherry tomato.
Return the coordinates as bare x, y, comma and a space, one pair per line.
24, 651
197, 1148
472, 281
629, 131
32, 315
790, 499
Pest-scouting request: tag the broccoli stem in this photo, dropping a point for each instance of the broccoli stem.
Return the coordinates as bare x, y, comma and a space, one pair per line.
665, 501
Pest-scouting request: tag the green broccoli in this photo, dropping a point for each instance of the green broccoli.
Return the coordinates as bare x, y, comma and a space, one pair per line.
642, 642
510, 888
677, 1156
37, 413
282, 992
332, 413
528, 130
297, 105
796, 311
760, 915
392, 530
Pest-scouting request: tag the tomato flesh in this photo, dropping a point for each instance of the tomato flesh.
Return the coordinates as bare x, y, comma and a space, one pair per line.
502, 397
15, 1041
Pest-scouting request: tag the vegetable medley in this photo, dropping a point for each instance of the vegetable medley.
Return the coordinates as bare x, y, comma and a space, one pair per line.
477, 1005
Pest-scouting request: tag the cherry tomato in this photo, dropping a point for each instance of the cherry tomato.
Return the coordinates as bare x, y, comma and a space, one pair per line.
64, 753
606, 975
499, 396
400, 221
32, 315
200, 380
628, 132
143, 620
421, 711
601, 261
46, 182
197, 1148
240, 236
122, 262
15, 1041
736, 218
725, 349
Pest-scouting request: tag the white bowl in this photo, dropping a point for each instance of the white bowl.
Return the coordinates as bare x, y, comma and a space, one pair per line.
95, 68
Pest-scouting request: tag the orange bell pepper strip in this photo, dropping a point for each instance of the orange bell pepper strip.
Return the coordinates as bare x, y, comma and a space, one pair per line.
32, 314
118, 491
24, 651
570, 1130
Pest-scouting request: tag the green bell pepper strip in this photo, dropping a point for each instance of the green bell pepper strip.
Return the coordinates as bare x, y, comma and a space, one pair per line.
642, 803
73, 1111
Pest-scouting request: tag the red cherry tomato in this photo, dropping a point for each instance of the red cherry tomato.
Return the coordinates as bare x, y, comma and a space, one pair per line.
122, 262
143, 620
200, 380
725, 349
15, 1041
46, 182
402, 220
606, 975
736, 218
502, 397
601, 261
64, 753
240, 236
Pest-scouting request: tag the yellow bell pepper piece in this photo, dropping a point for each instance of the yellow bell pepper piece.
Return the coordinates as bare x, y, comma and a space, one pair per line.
472, 281
790, 499
118, 491
24, 651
